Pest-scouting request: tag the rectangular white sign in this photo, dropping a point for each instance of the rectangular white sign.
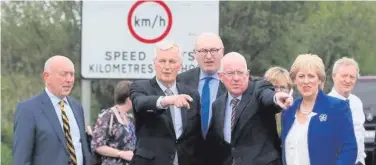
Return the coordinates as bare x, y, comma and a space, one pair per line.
116, 47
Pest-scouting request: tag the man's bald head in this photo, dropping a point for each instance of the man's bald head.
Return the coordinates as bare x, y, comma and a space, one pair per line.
209, 37
56, 61
59, 75
209, 52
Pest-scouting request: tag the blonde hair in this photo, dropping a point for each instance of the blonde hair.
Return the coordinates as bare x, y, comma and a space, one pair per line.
310, 62
344, 61
274, 74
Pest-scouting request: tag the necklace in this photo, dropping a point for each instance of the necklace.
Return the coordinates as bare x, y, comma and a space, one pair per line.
122, 116
305, 111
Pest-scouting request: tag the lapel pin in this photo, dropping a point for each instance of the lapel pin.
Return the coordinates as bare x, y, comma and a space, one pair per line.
323, 117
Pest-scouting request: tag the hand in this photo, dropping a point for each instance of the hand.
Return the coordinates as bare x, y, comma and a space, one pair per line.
126, 155
284, 100
179, 101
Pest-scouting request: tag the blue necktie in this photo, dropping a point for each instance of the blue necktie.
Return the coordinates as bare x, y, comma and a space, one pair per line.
205, 106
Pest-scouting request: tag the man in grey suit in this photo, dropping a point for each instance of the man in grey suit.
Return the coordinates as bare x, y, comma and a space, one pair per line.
49, 128
208, 54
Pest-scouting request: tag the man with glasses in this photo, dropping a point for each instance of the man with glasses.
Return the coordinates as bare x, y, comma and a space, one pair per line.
237, 134
208, 54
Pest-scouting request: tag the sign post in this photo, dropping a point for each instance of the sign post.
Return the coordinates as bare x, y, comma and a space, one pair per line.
118, 37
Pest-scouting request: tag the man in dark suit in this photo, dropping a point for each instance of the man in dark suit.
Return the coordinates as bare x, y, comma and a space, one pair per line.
204, 79
49, 128
166, 113
237, 134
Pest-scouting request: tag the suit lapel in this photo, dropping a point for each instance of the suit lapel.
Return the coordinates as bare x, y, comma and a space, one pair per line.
167, 114
221, 113
318, 108
240, 108
184, 114
49, 111
245, 110
194, 79
221, 89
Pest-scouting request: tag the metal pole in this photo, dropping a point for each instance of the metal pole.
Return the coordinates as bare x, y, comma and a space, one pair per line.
86, 99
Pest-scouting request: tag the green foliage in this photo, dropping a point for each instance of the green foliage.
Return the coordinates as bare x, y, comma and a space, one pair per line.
266, 33
6, 154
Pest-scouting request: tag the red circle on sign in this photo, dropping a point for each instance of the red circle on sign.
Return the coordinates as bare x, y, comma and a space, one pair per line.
152, 40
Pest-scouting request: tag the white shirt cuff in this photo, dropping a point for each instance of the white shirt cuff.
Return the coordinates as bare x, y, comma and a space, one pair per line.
275, 99
159, 105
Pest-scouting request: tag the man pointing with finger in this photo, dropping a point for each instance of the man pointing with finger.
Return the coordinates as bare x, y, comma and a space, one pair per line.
237, 135
167, 114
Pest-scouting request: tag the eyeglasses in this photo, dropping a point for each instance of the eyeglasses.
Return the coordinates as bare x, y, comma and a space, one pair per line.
282, 88
204, 52
231, 74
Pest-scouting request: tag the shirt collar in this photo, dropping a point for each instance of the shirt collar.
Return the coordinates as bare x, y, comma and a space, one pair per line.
230, 97
173, 87
55, 99
203, 75
336, 94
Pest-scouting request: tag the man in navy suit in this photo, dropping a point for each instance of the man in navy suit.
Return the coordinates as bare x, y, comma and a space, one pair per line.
49, 128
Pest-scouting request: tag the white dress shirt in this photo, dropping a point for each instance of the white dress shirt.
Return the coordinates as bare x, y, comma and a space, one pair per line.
74, 130
227, 122
296, 149
213, 85
358, 117
177, 120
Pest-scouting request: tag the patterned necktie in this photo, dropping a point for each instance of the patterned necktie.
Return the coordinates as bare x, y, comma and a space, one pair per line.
234, 103
66, 127
205, 105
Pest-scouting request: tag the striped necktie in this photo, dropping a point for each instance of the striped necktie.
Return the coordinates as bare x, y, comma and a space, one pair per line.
234, 102
68, 137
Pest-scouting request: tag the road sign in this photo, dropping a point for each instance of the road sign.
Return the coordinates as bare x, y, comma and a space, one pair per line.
137, 22
118, 36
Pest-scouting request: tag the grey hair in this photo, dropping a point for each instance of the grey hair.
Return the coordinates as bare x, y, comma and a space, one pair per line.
47, 65
167, 45
345, 61
230, 55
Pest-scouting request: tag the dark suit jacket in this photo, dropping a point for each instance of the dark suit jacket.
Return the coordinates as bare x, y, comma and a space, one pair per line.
331, 138
374, 151
250, 141
156, 140
191, 78
38, 136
